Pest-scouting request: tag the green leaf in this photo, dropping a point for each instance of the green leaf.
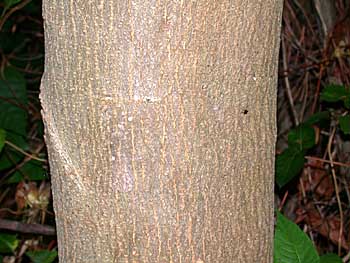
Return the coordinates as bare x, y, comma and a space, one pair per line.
9, 3
13, 102
288, 165
32, 170
8, 243
42, 256
330, 258
334, 93
9, 159
317, 118
347, 102
2, 138
302, 137
13, 86
291, 245
33, 8
344, 122
18, 140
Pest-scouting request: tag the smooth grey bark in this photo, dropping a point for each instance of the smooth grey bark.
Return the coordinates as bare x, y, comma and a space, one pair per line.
160, 127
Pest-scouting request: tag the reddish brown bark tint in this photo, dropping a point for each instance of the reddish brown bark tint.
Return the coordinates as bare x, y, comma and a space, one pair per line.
152, 156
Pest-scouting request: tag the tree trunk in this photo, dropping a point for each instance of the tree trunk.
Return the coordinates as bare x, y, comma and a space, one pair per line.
160, 128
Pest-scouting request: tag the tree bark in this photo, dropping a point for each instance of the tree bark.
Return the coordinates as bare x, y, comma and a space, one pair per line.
160, 127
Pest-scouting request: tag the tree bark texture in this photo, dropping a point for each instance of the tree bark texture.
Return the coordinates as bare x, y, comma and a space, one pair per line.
160, 127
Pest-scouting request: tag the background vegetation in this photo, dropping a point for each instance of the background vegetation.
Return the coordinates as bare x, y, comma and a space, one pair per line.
313, 147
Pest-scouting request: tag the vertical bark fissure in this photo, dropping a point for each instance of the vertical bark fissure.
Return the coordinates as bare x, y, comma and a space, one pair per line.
160, 123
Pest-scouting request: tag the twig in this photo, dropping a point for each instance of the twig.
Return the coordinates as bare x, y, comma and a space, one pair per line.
286, 81
283, 201
326, 161
329, 150
346, 188
27, 228
318, 87
25, 153
20, 164
346, 258
3, 195
305, 97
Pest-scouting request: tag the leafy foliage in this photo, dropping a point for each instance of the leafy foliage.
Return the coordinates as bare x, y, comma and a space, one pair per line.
300, 140
347, 102
291, 161
291, 244
344, 122
288, 165
2, 138
21, 138
9, 3
334, 93
33, 170
13, 107
330, 258
42, 256
302, 137
8, 243
321, 117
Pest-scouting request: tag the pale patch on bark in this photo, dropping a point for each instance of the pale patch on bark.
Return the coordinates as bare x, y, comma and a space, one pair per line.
122, 175
71, 168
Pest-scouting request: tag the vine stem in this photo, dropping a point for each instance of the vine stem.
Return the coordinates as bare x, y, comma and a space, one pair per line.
11, 11
25, 153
